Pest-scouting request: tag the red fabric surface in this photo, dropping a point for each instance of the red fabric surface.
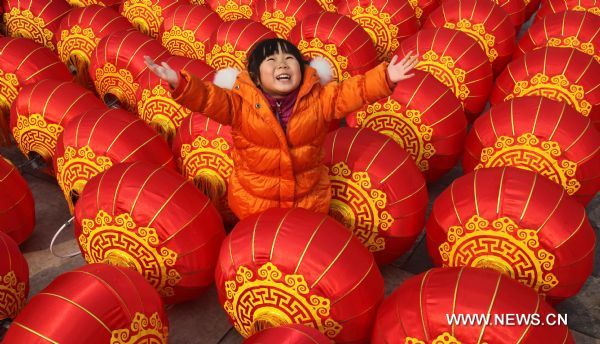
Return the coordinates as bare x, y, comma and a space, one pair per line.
289, 334
14, 277
17, 209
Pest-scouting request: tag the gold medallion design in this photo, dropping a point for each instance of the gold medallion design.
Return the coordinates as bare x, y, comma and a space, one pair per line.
501, 246
278, 22
443, 68
316, 47
234, 11
197, 2
556, 87
120, 83
26, 25
77, 43
404, 126
34, 134
183, 43
224, 56
85, 3
444, 338
208, 160
120, 241
271, 298
380, 27
12, 295
575, 43
327, 5
145, 16
9, 89
76, 167
158, 109
594, 10
477, 31
142, 330
418, 10
358, 206
530, 154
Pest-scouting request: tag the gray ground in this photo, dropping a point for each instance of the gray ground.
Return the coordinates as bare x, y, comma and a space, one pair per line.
203, 320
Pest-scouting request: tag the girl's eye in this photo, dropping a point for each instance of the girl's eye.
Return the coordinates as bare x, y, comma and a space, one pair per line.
270, 59
289, 57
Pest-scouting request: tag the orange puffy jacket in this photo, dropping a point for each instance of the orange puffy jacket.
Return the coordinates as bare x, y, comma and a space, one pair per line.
273, 168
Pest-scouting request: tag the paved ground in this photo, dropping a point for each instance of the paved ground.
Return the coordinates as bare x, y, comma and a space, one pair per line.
203, 320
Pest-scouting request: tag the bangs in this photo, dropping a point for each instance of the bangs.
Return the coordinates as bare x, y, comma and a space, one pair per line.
268, 47
271, 47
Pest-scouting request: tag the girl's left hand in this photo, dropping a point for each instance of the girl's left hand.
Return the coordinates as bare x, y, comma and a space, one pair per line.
397, 71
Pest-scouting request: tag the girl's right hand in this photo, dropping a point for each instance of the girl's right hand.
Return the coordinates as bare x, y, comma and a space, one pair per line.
163, 71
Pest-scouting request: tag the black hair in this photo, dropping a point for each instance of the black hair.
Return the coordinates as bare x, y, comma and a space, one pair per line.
268, 47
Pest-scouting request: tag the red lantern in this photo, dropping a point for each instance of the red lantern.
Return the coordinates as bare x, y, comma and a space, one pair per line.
79, 33
348, 48
149, 218
289, 334
377, 191
98, 139
14, 277
286, 266
114, 4
155, 104
515, 10
424, 117
566, 75
568, 29
387, 22
420, 309
281, 16
230, 44
41, 111
518, 223
230, 10
540, 135
187, 30
557, 6
118, 61
17, 210
147, 16
95, 303
23, 62
34, 20
486, 22
202, 150
455, 60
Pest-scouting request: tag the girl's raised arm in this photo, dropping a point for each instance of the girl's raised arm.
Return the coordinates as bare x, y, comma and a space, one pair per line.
196, 94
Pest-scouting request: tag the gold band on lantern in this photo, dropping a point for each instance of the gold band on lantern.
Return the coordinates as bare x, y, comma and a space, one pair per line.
25, 24
13, 295
444, 338
33, 134
316, 47
278, 22
144, 15
142, 330
575, 43
182, 42
477, 31
120, 83
379, 26
444, 69
233, 11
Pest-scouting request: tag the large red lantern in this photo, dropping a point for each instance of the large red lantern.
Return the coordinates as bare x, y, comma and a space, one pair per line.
420, 310
23, 62
517, 222
568, 29
455, 60
289, 334
286, 266
557, 6
96, 304
342, 41
186, 31
424, 117
41, 111
151, 219
377, 191
202, 150
484, 21
147, 16
118, 61
17, 210
281, 16
98, 139
540, 135
14, 277
34, 20
230, 10
79, 33
566, 75
387, 22
155, 103
230, 44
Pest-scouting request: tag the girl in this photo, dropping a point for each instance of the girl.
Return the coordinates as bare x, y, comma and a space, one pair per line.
279, 114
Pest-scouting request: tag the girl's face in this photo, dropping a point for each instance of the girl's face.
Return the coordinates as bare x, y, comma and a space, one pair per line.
280, 74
